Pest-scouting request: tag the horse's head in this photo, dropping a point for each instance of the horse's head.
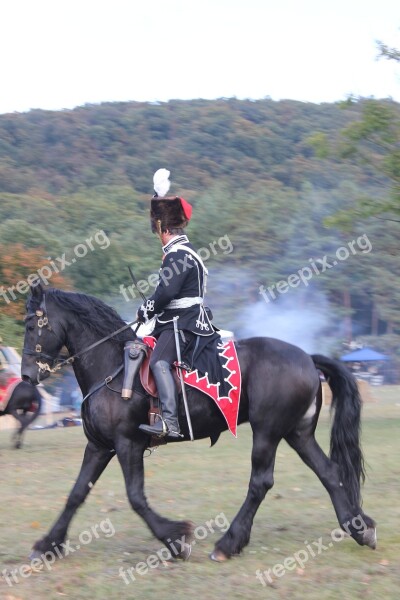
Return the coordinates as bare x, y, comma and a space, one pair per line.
43, 339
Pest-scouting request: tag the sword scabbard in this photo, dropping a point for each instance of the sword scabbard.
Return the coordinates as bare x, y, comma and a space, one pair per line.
180, 375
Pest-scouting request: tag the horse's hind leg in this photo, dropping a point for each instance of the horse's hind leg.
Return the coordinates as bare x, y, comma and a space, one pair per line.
24, 420
94, 462
351, 518
20, 405
17, 435
17, 438
261, 480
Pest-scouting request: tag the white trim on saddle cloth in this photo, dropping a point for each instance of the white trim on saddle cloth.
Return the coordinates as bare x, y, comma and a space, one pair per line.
6, 393
228, 405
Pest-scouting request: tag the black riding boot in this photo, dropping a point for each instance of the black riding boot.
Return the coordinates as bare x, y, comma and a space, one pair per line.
168, 396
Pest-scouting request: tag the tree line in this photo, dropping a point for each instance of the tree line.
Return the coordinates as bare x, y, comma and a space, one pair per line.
288, 183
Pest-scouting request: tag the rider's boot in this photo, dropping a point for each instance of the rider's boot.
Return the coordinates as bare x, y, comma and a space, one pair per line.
168, 396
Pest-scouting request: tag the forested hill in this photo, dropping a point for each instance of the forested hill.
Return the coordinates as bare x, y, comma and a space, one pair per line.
249, 143
264, 174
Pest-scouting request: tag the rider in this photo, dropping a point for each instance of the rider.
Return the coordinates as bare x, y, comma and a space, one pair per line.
179, 293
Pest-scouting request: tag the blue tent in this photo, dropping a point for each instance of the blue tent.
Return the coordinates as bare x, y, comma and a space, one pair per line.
363, 355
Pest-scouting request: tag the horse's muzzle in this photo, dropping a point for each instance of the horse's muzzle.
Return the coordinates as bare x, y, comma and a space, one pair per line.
34, 375
28, 379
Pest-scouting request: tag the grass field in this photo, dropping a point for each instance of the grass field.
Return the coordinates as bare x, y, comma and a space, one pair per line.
202, 484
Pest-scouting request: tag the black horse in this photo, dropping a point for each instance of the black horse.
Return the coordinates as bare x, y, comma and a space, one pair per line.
281, 398
24, 405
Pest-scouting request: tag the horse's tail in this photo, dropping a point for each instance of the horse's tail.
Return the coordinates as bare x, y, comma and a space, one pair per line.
345, 447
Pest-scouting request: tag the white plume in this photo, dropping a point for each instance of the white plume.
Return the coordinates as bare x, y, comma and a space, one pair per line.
161, 182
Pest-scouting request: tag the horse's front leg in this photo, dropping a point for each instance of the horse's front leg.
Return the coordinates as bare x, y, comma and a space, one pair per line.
175, 535
94, 462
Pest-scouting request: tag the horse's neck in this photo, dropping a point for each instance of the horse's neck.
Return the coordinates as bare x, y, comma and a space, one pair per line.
94, 365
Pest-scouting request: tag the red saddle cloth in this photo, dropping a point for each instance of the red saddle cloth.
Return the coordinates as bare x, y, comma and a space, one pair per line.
228, 404
7, 390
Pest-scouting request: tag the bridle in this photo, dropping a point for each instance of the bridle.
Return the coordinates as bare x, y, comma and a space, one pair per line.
42, 357
57, 361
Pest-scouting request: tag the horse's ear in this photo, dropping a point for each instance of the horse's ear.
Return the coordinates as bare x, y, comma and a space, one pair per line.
37, 290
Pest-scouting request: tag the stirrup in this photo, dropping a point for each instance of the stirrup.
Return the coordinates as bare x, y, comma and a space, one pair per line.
174, 434
147, 428
169, 432
166, 432
161, 434
165, 429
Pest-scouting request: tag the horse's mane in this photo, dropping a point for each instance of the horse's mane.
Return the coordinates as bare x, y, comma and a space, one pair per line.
94, 314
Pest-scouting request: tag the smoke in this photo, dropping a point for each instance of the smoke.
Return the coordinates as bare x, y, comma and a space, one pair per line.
307, 325
303, 317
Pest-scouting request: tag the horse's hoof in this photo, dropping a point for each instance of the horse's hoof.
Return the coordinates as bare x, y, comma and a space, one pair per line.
370, 538
185, 554
218, 556
35, 554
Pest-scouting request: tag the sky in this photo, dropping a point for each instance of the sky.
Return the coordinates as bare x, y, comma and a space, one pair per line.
58, 54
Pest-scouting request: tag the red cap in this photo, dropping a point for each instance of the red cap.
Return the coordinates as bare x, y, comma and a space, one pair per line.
187, 208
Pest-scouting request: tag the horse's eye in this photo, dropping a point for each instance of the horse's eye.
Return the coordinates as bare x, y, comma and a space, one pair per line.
30, 327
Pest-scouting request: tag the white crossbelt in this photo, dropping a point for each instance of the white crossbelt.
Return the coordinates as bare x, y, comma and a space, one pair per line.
184, 302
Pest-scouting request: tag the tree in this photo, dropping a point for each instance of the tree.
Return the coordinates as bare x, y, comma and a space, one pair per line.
11, 332
20, 267
387, 52
373, 141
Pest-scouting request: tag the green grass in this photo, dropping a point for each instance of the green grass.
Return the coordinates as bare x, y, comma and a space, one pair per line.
195, 482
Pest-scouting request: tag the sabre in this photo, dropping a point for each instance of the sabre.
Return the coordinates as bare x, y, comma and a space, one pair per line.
178, 354
136, 284
141, 293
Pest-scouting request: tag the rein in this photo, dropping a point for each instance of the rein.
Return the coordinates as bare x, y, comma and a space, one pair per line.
70, 359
